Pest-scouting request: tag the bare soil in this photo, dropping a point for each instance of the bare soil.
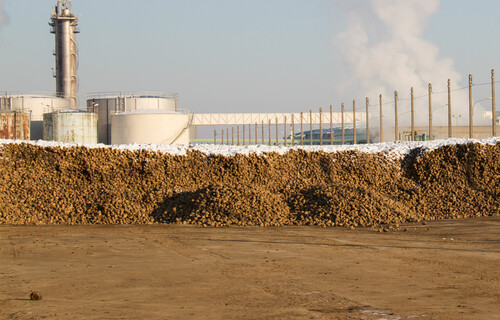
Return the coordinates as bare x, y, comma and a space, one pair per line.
440, 270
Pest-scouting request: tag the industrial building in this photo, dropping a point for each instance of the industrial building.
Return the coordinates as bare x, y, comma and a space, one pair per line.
125, 118
133, 117
109, 118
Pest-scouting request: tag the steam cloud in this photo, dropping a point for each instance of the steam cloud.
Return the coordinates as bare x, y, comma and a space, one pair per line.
4, 18
385, 50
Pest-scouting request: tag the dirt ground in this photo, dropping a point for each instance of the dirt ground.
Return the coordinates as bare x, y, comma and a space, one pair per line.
442, 270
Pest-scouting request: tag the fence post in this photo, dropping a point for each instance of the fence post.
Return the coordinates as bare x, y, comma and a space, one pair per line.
293, 130
269, 131
449, 109
222, 136
284, 126
256, 134
277, 141
430, 111
354, 122
342, 109
471, 114
232, 136
311, 126
263, 139
493, 104
367, 121
412, 115
381, 129
320, 126
301, 129
331, 125
396, 123
238, 135
215, 136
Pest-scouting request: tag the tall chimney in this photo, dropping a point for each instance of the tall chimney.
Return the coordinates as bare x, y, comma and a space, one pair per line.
64, 26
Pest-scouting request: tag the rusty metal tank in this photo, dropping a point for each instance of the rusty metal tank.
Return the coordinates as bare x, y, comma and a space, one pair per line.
14, 125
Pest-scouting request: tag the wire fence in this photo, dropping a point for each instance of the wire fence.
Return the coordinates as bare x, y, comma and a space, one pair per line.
368, 131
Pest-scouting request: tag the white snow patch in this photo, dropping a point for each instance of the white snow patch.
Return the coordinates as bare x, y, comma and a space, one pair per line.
393, 149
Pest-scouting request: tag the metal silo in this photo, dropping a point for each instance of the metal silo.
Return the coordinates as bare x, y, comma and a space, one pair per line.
70, 126
152, 126
106, 104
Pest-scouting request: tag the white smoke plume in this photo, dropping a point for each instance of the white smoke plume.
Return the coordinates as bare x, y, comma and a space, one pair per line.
386, 51
4, 18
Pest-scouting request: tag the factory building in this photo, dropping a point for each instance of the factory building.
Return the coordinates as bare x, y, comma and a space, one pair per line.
114, 118
64, 26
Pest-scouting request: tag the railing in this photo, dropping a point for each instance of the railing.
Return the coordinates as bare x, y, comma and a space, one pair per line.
40, 94
280, 118
131, 94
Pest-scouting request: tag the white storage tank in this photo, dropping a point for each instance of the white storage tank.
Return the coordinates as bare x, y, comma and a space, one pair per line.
108, 104
37, 105
70, 126
14, 125
152, 126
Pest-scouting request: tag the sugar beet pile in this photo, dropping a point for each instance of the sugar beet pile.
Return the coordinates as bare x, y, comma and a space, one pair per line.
79, 185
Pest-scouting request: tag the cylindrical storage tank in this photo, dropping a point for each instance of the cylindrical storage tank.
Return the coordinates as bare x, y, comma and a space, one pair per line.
37, 105
158, 127
108, 104
70, 127
14, 125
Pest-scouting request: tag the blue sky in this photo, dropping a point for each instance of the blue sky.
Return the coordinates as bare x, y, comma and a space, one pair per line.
245, 55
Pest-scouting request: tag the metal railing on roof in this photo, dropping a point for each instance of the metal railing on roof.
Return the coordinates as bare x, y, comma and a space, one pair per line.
131, 94
39, 94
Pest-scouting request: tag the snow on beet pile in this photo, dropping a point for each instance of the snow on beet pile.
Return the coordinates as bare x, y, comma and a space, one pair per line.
347, 186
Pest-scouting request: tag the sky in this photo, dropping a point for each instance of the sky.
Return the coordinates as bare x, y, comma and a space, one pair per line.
264, 55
